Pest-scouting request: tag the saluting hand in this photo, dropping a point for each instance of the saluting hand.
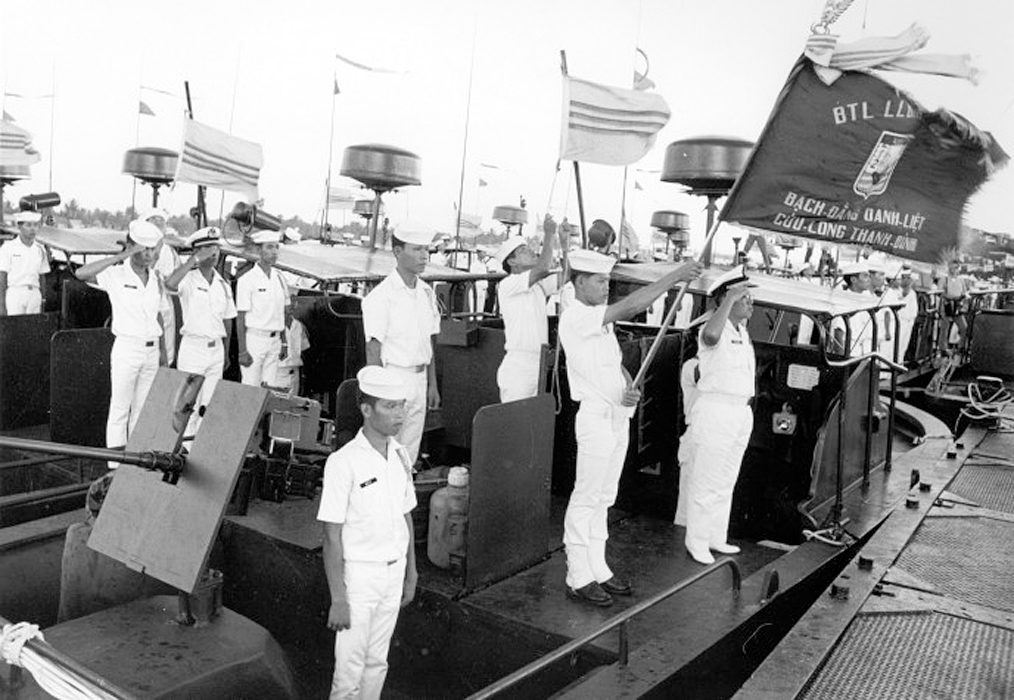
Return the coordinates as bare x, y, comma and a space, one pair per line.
549, 225
339, 617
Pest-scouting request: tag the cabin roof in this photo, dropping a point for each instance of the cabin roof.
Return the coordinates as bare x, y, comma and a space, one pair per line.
777, 292
337, 263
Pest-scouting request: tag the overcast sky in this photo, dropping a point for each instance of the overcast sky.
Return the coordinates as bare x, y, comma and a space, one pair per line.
265, 71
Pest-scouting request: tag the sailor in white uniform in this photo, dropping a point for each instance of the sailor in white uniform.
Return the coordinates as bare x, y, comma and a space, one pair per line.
135, 294
721, 419
600, 383
166, 261
907, 314
261, 298
23, 262
522, 298
856, 277
400, 321
208, 313
369, 558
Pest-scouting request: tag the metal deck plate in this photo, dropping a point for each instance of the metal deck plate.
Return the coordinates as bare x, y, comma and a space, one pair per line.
991, 486
965, 558
917, 655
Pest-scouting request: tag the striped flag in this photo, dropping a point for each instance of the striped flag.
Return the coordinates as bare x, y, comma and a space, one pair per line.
16, 145
340, 198
216, 159
609, 125
143, 108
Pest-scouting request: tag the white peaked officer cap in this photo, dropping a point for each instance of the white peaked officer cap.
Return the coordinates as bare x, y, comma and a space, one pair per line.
26, 217
855, 268
292, 233
202, 237
507, 247
414, 232
381, 383
261, 237
733, 278
590, 261
144, 233
875, 266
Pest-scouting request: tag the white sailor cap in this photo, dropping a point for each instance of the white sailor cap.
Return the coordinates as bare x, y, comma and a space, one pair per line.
26, 217
264, 236
203, 237
414, 232
381, 383
855, 268
590, 261
507, 247
292, 233
734, 277
144, 233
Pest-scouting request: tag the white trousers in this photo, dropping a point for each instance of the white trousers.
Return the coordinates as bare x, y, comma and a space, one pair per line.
685, 457
264, 350
602, 432
360, 652
132, 367
518, 375
416, 383
197, 357
719, 433
169, 332
23, 300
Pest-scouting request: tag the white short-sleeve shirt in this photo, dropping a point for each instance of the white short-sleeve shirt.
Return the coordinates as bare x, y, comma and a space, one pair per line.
403, 319
135, 304
263, 297
523, 309
23, 263
369, 496
729, 366
594, 362
205, 304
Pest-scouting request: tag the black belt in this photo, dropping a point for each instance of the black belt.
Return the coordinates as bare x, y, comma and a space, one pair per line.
149, 343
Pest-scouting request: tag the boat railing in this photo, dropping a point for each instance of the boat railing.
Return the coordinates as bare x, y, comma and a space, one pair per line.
620, 621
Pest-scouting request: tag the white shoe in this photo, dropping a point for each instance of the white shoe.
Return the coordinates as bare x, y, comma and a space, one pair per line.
725, 548
701, 557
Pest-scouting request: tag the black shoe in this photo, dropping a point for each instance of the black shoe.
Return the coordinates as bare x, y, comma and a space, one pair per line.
592, 593
617, 586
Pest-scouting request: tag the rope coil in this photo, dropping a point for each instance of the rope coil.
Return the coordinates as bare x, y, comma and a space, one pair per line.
13, 638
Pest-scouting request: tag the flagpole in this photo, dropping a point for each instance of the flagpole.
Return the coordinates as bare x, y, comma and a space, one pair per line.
577, 169
464, 145
52, 121
202, 215
330, 154
623, 215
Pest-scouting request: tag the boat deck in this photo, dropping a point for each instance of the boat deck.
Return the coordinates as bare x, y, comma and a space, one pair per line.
927, 607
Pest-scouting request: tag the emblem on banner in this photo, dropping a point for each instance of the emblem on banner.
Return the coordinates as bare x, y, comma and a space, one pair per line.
880, 165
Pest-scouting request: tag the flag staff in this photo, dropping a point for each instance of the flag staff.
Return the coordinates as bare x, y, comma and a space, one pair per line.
201, 216
330, 153
464, 145
577, 169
